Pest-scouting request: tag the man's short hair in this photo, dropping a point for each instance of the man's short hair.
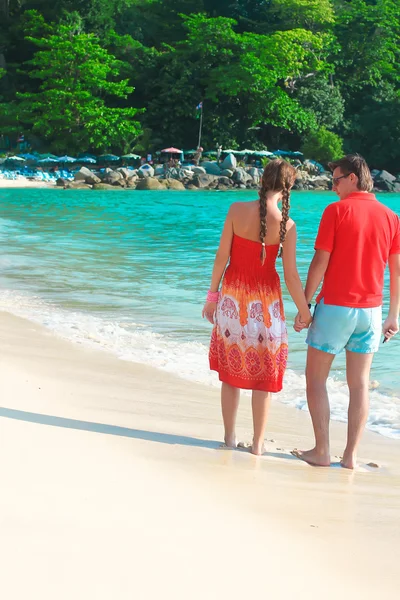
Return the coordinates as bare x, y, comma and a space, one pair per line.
354, 163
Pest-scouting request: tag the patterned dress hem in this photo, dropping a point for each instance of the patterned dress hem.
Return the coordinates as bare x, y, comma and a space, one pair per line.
238, 382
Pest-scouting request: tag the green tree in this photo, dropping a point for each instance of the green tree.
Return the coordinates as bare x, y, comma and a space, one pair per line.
246, 81
77, 104
322, 145
324, 99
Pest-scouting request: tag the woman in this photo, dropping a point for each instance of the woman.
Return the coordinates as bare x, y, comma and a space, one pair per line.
249, 344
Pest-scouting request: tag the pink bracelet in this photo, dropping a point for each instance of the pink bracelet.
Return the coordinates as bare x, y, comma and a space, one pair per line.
212, 296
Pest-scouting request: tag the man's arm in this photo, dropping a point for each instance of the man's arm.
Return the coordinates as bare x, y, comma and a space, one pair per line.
391, 325
316, 272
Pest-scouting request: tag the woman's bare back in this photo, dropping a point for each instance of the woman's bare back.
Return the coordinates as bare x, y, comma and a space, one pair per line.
246, 221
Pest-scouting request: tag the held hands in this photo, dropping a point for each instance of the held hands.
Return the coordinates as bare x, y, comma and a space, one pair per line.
302, 322
390, 327
208, 312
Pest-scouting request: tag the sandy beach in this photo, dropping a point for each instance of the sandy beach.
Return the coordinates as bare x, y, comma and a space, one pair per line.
113, 486
23, 182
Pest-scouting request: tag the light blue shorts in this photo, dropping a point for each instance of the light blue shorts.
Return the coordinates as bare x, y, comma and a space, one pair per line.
335, 328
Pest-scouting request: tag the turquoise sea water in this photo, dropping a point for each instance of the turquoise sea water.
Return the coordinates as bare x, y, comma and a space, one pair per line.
128, 271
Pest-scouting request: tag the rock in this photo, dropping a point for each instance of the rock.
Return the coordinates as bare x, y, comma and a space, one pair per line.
113, 177
229, 162
255, 174
146, 171
227, 172
386, 176
199, 170
221, 188
385, 181
240, 176
190, 186
101, 187
310, 167
61, 182
174, 184
204, 181
77, 185
372, 464
126, 173
224, 181
322, 182
374, 384
211, 168
85, 175
149, 183
241, 186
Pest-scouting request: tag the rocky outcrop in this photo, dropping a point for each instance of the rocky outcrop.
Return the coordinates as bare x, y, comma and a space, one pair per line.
85, 175
149, 183
174, 184
102, 187
385, 182
229, 162
211, 167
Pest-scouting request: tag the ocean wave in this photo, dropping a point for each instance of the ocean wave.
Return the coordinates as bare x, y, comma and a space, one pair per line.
132, 341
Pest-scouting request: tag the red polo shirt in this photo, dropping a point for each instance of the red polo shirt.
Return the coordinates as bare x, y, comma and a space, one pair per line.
360, 233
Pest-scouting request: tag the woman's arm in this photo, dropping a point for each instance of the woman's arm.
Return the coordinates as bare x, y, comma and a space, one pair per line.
221, 260
292, 278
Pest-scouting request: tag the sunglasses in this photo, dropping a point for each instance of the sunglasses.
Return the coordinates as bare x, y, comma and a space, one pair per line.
336, 179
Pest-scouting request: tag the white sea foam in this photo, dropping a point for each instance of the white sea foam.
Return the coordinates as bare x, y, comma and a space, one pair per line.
132, 341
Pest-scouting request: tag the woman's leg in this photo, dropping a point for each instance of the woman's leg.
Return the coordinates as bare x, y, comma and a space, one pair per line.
260, 402
230, 403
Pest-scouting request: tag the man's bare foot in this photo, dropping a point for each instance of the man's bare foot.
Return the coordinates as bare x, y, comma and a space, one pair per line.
313, 457
349, 460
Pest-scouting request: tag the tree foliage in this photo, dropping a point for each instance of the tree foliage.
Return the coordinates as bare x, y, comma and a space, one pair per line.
268, 72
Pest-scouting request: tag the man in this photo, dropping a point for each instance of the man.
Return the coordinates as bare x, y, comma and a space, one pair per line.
357, 237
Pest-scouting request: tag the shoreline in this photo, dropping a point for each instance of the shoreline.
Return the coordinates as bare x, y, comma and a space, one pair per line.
113, 466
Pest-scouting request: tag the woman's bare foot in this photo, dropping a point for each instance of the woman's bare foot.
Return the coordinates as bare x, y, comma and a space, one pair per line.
257, 449
230, 442
313, 457
349, 460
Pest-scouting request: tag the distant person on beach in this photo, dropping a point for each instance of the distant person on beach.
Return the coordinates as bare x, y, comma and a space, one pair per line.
197, 156
249, 345
357, 237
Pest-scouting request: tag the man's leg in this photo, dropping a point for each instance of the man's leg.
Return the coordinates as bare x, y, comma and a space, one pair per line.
358, 367
317, 371
230, 403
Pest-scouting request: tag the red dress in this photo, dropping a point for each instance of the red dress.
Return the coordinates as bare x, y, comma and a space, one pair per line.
249, 346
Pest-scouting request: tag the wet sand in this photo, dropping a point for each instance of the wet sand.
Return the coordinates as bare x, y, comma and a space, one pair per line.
113, 486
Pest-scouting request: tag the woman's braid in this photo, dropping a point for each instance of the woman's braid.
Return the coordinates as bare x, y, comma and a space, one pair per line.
263, 220
285, 217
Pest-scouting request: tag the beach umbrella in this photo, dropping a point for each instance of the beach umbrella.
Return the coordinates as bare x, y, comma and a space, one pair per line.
287, 153
86, 159
28, 156
230, 151
172, 150
16, 158
263, 153
131, 156
108, 158
66, 159
48, 160
48, 155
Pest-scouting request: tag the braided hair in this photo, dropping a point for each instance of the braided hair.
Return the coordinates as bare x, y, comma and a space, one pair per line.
278, 176
285, 218
263, 219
